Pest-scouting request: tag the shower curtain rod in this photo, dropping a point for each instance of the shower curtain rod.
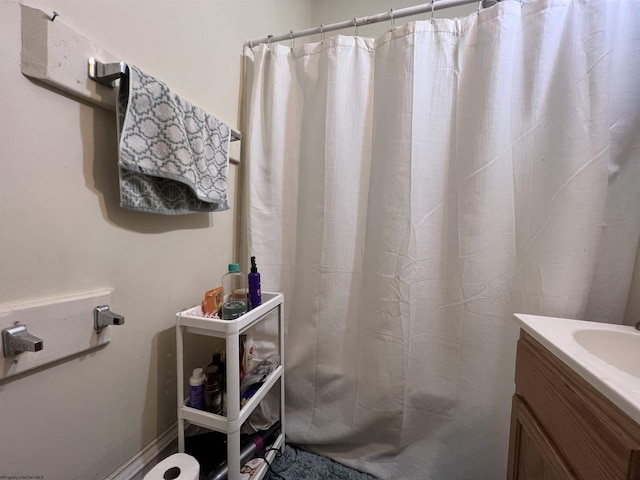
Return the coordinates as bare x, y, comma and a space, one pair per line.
368, 20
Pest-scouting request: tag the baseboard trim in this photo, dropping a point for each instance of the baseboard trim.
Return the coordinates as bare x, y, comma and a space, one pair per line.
137, 463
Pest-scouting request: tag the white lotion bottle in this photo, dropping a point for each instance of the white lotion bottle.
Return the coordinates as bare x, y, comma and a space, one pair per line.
196, 389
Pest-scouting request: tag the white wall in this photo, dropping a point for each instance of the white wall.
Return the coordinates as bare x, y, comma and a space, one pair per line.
62, 231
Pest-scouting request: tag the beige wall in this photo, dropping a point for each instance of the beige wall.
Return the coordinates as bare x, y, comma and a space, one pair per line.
62, 231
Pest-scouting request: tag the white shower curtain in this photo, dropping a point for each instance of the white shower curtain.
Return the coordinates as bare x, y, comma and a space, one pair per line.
408, 194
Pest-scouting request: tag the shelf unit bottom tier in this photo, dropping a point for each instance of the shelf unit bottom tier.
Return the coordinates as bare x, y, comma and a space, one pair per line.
262, 470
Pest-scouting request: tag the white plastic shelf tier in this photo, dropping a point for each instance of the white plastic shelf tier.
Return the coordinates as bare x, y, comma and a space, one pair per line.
192, 321
215, 327
221, 423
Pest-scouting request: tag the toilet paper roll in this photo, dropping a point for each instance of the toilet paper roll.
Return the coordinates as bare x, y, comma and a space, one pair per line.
178, 466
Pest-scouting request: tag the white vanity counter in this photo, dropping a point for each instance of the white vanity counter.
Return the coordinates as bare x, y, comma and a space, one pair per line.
605, 355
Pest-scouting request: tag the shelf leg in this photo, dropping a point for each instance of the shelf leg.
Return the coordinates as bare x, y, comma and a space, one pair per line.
282, 384
180, 389
233, 404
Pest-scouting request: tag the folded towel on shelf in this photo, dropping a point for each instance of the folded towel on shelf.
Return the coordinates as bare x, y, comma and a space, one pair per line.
173, 156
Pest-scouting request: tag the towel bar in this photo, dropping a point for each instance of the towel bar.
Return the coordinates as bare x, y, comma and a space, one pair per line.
107, 73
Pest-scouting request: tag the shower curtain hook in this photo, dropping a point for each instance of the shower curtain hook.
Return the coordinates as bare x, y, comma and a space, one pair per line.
322, 33
393, 25
293, 40
355, 24
432, 8
269, 37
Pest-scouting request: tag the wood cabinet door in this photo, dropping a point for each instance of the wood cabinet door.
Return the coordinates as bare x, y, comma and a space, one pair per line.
532, 455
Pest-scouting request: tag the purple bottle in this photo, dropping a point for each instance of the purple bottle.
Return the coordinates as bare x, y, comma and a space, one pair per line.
255, 295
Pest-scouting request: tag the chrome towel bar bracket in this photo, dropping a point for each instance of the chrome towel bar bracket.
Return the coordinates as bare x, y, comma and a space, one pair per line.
17, 339
106, 73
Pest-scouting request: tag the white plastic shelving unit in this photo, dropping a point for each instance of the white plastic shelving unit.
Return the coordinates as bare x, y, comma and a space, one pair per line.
192, 321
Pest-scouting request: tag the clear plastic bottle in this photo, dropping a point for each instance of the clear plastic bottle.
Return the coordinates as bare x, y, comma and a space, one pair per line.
234, 289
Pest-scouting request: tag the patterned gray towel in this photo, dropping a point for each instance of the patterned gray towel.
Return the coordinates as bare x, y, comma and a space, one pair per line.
173, 156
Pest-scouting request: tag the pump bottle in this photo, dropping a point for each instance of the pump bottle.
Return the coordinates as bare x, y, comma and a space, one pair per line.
255, 294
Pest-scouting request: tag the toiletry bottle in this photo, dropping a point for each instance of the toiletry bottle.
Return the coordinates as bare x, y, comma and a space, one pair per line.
213, 390
222, 372
249, 351
255, 295
196, 389
216, 359
234, 289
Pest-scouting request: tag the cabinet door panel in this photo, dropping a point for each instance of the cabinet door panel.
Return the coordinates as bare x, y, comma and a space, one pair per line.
594, 437
532, 455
